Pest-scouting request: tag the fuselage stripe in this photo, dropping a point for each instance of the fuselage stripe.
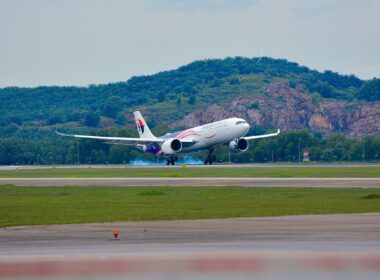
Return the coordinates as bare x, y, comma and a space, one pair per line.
184, 132
187, 133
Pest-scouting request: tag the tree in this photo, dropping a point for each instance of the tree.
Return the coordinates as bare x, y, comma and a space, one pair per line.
160, 129
161, 96
179, 103
324, 89
114, 105
120, 119
234, 82
327, 155
192, 99
15, 119
55, 117
315, 153
370, 91
91, 119
75, 115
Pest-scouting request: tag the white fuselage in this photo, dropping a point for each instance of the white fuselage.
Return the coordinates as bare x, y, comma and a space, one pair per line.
208, 135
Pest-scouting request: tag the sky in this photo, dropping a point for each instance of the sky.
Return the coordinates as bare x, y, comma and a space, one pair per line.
83, 42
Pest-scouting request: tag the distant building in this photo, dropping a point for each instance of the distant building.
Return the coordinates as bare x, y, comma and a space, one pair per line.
306, 155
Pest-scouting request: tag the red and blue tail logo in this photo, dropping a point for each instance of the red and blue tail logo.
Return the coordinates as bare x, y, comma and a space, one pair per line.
140, 126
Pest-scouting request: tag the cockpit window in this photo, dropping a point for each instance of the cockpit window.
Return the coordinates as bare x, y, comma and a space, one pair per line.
240, 122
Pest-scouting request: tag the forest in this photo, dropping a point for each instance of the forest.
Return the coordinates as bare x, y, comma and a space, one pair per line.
29, 116
287, 147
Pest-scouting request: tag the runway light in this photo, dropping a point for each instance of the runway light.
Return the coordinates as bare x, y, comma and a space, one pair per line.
115, 233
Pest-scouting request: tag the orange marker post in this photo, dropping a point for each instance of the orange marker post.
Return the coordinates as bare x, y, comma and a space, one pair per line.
115, 233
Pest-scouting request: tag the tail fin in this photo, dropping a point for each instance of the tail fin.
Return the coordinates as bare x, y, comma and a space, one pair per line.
142, 127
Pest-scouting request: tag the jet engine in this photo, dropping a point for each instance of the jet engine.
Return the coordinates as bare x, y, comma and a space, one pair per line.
238, 145
171, 146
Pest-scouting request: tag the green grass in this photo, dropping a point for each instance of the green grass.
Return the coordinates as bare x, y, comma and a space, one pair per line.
372, 196
280, 172
59, 205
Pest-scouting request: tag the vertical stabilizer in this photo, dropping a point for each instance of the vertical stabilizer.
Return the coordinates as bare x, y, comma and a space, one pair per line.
142, 127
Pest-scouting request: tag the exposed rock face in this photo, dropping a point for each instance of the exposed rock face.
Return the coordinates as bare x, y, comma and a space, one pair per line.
213, 113
289, 108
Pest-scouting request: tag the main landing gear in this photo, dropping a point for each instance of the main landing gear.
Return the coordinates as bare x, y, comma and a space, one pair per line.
210, 157
171, 160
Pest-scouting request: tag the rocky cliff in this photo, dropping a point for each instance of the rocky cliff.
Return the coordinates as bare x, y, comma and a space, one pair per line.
288, 108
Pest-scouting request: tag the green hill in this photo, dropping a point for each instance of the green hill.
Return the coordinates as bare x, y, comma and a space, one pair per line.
28, 116
190, 87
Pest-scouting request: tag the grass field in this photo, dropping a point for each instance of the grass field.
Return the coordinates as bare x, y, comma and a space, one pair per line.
284, 172
58, 205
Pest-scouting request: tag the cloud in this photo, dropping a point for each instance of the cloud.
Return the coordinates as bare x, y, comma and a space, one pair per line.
211, 6
72, 42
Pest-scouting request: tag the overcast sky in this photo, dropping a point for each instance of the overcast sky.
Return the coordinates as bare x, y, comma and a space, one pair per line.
80, 42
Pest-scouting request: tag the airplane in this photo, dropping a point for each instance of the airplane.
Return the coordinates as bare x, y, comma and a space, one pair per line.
229, 131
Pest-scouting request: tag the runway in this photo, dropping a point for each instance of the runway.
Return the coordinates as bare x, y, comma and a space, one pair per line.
244, 182
334, 246
164, 166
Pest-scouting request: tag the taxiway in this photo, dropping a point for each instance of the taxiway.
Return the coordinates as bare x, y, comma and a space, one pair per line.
318, 246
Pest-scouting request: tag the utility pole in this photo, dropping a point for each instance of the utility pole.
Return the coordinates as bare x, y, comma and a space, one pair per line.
78, 151
299, 150
363, 149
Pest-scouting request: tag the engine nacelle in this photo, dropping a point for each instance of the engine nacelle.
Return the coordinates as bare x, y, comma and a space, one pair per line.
171, 146
238, 145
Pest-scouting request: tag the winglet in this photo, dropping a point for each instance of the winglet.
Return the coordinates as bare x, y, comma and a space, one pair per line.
64, 134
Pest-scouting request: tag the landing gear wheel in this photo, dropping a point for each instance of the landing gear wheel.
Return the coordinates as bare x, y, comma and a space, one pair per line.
171, 160
210, 157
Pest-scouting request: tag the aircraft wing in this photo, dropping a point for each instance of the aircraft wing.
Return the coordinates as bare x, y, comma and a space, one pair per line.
117, 140
262, 136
